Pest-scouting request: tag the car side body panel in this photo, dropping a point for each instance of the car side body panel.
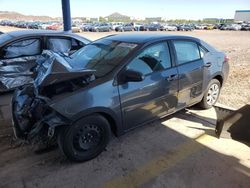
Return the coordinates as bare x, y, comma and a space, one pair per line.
100, 97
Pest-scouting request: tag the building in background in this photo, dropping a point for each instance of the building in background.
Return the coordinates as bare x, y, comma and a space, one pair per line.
242, 16
212, 20
217, 20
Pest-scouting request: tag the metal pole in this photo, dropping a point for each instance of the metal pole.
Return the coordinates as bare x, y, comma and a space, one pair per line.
66, 15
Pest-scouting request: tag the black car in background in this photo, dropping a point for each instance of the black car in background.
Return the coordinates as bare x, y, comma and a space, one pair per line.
125, 27
86, 27
19, 51
245, 27
185, 28
113, 85
100, 27
143, 27
154, 27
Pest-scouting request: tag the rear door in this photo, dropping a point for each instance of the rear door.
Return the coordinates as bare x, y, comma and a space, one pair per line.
191, 69
156, 95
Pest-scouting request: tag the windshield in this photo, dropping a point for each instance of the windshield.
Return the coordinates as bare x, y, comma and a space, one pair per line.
102, 56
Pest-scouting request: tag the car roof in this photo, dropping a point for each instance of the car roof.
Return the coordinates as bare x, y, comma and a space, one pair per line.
145, 38
34, 32
10, 36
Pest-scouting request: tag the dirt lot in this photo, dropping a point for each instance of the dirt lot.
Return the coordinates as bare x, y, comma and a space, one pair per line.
178, 151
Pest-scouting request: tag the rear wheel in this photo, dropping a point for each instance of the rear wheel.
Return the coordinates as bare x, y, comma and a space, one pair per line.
211, 95
85, 139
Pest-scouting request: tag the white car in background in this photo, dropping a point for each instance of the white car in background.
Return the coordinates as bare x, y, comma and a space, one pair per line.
137, 26
44, 25
235, 27
166, 27
115, 25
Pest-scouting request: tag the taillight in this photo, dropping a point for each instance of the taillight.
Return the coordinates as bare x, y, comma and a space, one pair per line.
226, 59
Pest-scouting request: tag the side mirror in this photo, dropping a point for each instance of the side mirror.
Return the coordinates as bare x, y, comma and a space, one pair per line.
131, 76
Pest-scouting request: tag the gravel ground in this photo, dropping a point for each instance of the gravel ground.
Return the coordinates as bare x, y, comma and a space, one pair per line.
236, 44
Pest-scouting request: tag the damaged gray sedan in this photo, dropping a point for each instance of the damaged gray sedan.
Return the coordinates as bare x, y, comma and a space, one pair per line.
113, 85
19, 51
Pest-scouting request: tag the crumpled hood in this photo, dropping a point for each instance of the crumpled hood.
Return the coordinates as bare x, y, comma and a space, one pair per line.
54, 68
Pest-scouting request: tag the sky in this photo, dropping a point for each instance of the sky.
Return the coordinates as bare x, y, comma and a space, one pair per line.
170, 9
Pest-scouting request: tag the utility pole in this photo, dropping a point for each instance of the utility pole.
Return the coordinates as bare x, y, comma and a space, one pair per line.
66, 15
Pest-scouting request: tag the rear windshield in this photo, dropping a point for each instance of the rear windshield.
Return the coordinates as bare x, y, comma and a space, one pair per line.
103, 55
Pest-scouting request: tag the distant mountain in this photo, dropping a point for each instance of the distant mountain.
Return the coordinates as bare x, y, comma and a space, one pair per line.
6, 15
117, 17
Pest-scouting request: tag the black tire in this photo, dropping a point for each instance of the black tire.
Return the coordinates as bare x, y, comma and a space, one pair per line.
204, 103
85, 139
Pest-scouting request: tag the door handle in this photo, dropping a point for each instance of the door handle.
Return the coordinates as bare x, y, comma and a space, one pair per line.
208, 64
172, 77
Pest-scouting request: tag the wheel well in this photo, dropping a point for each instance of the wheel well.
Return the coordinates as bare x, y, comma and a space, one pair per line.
219, 77
111, 122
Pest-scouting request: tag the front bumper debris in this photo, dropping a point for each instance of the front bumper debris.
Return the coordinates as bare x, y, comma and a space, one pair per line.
33, 117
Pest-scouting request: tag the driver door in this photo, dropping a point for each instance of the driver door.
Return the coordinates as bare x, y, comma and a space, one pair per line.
155, 95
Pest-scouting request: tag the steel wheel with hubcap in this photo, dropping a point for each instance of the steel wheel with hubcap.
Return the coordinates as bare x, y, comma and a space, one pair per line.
211, 95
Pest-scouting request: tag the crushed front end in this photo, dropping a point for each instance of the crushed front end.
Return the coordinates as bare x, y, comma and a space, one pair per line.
34, 119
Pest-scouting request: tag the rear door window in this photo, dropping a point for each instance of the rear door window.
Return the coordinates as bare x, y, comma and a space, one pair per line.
28, 47
186, 51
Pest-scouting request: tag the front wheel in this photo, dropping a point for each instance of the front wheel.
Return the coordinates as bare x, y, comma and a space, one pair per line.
211, 95
85, 139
